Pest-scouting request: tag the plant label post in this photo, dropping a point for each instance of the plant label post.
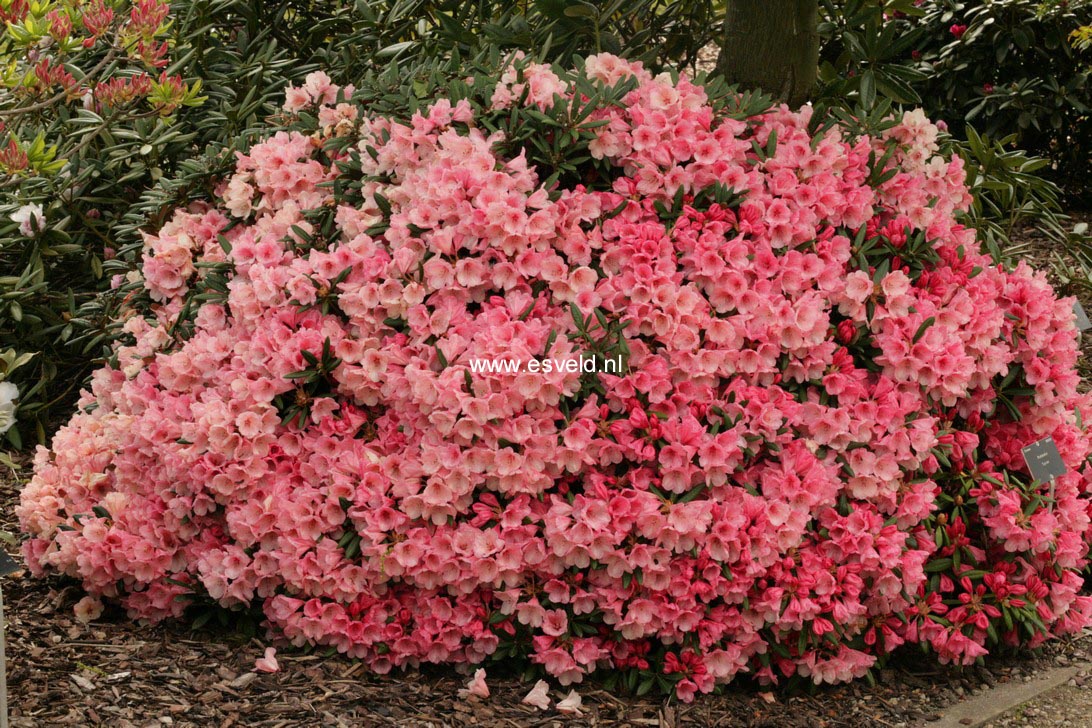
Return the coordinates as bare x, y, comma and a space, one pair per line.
8, 566
1083, 324
1045, 463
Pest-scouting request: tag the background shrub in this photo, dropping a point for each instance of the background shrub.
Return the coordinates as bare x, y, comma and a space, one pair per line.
656, 32
103, 102
1012, 69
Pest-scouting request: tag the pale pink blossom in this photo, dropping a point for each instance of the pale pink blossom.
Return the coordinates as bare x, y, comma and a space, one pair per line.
539, 696
476, 688
268, 661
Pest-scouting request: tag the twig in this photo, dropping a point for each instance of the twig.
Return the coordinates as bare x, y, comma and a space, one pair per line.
61, 94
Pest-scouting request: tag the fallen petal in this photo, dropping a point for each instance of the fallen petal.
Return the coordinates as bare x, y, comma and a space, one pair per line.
476, 687
538, 697
268, 662
87, 610
570, 704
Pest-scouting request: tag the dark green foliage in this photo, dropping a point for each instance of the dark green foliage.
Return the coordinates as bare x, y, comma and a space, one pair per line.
1010, 193
865, 52
120, 172
1009, 68
658, 32
1013, 71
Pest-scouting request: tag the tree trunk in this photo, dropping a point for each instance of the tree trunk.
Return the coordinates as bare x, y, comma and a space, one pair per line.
772, 45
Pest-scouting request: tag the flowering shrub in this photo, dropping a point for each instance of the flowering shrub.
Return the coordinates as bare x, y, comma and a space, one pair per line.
811, 457
54, 38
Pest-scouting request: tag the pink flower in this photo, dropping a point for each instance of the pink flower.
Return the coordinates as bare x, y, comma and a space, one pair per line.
319, 87
268, 661
539, 696
88, 609
555, 622
296, 99
476, 687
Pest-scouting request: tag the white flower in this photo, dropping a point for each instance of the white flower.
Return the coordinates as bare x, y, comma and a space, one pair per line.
8, 394
30, 218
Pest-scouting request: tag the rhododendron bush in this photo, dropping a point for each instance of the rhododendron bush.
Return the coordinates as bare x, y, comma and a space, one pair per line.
811, 456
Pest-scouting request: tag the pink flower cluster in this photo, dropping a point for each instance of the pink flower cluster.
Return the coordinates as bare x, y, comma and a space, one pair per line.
811, 457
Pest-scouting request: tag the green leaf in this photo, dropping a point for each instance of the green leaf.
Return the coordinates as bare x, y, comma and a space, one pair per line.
923, 328
938, 565
581, 11
868, 89
383, 204
578, 318
692, 494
